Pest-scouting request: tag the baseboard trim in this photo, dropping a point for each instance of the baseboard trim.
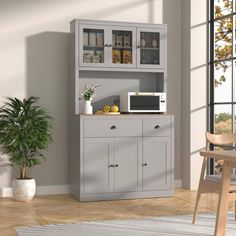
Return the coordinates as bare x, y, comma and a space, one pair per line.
57, 189
40, 190
178, 183
6, 192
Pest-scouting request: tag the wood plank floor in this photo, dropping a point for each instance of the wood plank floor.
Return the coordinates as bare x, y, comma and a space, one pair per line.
62, 209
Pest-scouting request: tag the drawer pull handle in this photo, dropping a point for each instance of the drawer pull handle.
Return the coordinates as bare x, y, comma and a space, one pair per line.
116, 165
113, 127
144, 164
157, 127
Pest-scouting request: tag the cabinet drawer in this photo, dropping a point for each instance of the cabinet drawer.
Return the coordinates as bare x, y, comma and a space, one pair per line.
157, 127
113, 128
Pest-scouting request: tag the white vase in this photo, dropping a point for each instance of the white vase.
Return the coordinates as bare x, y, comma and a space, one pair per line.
24, 189
88, 108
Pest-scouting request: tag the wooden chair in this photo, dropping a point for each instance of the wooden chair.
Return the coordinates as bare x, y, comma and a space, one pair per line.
211, 183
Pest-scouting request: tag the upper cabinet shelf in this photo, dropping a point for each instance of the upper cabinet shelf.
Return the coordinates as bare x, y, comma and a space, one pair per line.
112, 45
150, 47
107, 46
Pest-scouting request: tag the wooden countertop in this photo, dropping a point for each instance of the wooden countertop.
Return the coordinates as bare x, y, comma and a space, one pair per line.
126, 115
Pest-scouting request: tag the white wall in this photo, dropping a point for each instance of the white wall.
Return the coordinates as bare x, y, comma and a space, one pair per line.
198, 86
185, 98
34, 59
172, 17
194, 87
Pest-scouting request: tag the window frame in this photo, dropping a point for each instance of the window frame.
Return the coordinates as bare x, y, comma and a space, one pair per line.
211, 72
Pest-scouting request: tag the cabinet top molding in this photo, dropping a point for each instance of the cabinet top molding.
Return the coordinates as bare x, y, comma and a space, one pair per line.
118, 23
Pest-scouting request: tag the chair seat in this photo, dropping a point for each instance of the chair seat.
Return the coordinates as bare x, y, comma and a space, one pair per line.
217, 178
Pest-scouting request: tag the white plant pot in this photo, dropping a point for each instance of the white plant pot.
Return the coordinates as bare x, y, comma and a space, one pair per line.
88, 109
24, 189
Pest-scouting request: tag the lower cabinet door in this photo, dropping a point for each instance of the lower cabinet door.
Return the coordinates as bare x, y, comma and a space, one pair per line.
156, 163
97, 174
127, 164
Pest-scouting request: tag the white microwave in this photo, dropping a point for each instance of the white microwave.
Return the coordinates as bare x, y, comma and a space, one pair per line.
143, 102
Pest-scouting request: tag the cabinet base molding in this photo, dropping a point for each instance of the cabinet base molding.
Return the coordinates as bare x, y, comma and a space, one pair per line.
178, 183
122, 196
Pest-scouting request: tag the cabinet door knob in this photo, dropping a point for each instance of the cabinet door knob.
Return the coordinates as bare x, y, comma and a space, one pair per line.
109, 45
109, 166
144, 164
157, 127
138, 46
113, 127
116, 165
106, 45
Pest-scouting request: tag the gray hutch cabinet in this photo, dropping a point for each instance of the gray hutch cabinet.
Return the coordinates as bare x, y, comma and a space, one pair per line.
119, 156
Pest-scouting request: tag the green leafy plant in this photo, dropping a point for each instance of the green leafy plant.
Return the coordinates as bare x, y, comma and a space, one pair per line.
89, 92
25, 130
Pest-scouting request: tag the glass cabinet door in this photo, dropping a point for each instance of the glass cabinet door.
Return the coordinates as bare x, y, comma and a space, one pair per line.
92, 46
150, 46
122, 47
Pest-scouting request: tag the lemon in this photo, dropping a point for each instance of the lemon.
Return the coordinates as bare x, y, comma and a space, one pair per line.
106, 108
114, 108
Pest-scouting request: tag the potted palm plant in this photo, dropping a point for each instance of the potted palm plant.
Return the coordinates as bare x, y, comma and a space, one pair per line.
25, 131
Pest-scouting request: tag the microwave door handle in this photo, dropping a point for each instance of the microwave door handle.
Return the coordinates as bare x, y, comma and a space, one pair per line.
144, 94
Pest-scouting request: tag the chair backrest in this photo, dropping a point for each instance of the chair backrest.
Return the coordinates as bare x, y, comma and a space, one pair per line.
219, 139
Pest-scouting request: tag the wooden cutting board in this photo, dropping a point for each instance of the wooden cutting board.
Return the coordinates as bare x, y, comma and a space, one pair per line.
108, 113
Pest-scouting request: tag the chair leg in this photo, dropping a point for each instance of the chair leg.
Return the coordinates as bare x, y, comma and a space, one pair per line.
235, 210
200, 188
196, 205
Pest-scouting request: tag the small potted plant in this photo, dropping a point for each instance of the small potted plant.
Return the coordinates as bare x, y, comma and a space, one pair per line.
25, 130
87, 95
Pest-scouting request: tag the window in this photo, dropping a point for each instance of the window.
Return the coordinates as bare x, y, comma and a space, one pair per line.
222, 64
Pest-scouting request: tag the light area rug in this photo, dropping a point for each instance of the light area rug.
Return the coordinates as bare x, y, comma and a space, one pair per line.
158, 226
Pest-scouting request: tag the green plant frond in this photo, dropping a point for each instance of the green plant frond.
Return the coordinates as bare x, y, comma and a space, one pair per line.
32, 162
4, 113
25, 130
31, 100
17, 160
41, 155
14, 103
30, 104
